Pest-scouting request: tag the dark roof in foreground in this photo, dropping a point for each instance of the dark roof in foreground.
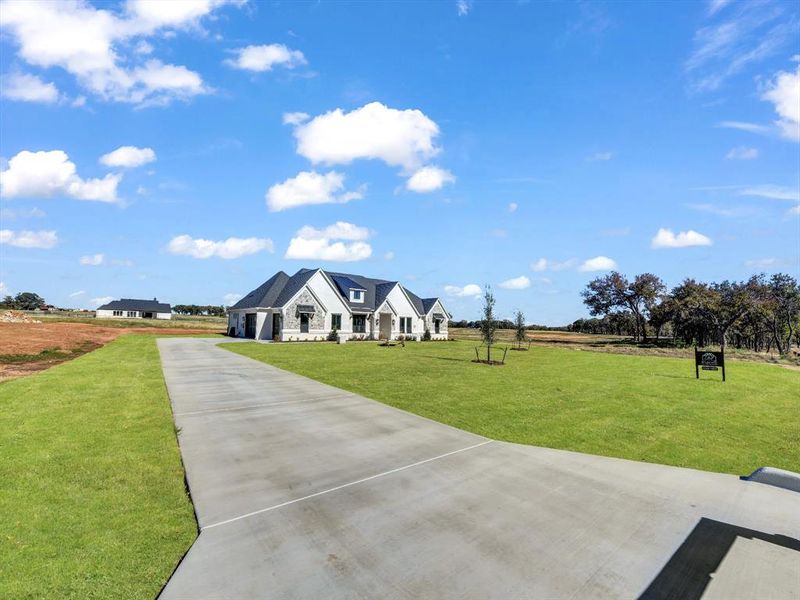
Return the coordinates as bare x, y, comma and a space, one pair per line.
134, 304
280, 288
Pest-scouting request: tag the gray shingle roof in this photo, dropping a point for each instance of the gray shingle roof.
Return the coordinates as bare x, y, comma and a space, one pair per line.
265, 294
280, 289
135, 304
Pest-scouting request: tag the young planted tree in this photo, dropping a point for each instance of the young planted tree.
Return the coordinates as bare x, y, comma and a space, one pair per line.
519, 326
488, 322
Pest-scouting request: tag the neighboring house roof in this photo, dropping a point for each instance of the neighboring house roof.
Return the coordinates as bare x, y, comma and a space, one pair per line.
141, 305
279, 290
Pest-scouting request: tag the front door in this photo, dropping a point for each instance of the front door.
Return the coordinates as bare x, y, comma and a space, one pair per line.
250, 325
385, 326
276, 326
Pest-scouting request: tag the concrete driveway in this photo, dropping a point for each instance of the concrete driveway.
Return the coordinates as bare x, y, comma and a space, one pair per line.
303, 490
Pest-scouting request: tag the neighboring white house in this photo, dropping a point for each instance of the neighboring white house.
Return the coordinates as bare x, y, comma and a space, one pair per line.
130, 308
312, 302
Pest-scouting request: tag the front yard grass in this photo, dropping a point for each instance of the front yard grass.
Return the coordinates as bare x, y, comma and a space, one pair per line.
637, 407
92, 498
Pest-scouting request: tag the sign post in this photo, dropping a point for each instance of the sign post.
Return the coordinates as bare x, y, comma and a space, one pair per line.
708, 360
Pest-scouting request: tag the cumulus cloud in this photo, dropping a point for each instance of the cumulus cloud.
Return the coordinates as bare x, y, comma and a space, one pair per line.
310, 187
784, 93
92, 260
742, 153
230, 248
463, 7
471, 289
8, 214
128, 156
231, 299
517, 283
512, 207
598, 263
29, 239
665, 238
46, 174
404, 138
263, 58
23, 87
762, 263
310, 243
544, 264
93, 45
429, 179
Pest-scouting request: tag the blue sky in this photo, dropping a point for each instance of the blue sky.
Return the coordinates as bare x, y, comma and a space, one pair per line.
189, 150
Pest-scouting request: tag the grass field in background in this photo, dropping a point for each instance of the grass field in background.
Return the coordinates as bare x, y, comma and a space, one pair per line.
92, 493
637, 407
176, 322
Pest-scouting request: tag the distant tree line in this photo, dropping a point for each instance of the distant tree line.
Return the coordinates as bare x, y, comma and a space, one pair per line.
199, 309
502, 324
23, 301
760, 313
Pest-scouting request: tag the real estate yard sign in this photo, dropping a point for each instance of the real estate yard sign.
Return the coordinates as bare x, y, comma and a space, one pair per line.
708, 360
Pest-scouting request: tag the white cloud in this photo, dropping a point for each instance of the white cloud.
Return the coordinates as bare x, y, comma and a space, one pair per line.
78, 293
598, 263
8, 214
128, 156
101, 300
463, 7
263, 58
50, 173
429, 179
749, 34
665, 238
600, 156
762, 263
93, 45
471, 289
512, 207
3, 288
517, 283
774, 192
745, 126
28, 88
715, 6
310, 187
295, 118
92, 260
29, 239
228, 249
231, 299
793, 212
742, 153
544, 264
784, 93
322, 244
388, 256
402, 138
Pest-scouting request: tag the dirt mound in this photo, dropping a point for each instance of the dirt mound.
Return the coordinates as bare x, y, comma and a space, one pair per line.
16, 316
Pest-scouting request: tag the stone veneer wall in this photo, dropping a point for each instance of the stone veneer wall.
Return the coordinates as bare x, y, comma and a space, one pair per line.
292, 319
429, 324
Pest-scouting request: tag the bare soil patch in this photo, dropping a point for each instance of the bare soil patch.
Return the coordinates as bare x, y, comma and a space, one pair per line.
28, 347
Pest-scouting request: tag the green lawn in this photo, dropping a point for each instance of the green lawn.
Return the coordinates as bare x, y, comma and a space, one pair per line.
92, 499
637, 407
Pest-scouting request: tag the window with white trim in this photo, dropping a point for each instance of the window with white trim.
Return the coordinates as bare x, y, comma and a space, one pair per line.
117, 313
356, 295
336, 321
405, 325
131, 313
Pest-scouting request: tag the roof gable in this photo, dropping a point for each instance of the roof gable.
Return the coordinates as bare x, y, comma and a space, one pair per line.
266, 294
